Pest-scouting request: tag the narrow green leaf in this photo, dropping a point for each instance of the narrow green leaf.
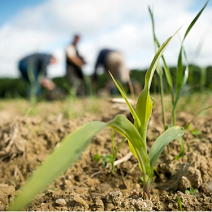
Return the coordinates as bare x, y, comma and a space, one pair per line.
123, 126
180, 203
61, 158
194, 20
151, 70
135, 117
166, 68
163, 140
144, 110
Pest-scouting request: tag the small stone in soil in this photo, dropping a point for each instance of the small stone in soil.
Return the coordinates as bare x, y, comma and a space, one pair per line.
60, 202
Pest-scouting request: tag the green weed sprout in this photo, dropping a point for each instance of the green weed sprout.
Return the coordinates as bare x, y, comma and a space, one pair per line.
192, 191
69, 150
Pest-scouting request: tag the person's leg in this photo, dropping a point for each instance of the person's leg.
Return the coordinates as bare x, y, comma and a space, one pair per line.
37, 82
76, 80
23, 70
24, 75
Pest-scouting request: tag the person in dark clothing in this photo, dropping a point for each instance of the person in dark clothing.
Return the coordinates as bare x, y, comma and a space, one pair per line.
74, 64
113, 61
33, 69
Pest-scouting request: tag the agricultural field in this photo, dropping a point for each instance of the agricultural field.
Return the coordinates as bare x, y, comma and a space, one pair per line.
141, 152
28, 135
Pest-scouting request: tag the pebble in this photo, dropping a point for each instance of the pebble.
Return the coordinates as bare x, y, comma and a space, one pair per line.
61, 202
170, 206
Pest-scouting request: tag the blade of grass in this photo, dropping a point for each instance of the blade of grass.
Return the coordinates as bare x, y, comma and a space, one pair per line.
194, 20
62, 157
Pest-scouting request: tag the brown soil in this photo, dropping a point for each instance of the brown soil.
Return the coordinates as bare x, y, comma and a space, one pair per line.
25, 141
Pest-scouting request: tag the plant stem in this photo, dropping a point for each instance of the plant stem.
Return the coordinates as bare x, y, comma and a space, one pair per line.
162, 100
174, 116
146, 185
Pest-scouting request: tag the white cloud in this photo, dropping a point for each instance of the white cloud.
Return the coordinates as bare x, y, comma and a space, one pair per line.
123, 25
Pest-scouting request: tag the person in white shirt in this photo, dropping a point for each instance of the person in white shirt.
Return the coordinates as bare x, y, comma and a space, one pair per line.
74, 64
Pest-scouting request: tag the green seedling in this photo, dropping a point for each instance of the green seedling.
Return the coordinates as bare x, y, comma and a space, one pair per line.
141, 115
192, 191
110, 158
180, 203
106, 159
115, 150
192, 130
69, 150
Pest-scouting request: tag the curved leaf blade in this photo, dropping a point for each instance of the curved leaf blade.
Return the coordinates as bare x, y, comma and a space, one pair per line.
123, 126
135, 117
61, 158
163, 140
151, 70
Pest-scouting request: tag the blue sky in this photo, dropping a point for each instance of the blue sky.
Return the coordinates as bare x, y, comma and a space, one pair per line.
28, 26
10, 8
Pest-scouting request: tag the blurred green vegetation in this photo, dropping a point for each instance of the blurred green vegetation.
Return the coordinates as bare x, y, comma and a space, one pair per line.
199, 80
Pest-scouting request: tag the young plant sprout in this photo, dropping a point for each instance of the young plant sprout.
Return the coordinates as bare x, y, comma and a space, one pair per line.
192, 191
110, 158
72, 146
136, 134
180, 203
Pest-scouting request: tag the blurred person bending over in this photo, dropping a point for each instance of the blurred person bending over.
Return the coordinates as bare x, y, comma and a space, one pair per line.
74, 64
33, 69
113, 61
